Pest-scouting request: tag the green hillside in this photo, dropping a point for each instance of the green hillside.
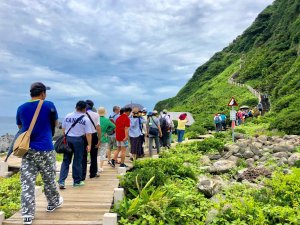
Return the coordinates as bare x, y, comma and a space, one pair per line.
269, 51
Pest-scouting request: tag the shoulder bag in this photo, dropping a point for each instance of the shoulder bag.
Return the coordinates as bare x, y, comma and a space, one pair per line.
152, 130
61, 145
21, 145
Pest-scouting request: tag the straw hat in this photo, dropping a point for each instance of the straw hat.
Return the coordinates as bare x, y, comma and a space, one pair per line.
101, 111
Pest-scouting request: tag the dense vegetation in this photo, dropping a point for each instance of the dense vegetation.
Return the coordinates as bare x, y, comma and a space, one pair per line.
164, 191
269, 54
10, 192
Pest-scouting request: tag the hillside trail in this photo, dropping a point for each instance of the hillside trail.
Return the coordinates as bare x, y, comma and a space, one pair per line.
263, 98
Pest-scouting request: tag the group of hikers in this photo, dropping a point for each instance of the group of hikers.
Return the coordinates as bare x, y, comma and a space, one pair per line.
220, 119
88, 132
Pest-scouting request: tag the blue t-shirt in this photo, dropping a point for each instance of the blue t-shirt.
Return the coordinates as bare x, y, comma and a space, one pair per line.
41, 136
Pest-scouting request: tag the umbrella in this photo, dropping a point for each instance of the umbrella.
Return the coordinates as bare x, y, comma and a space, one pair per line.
134, 105
244, 107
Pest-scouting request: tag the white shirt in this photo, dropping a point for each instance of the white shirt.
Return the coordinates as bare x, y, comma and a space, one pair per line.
84, 126
96, 119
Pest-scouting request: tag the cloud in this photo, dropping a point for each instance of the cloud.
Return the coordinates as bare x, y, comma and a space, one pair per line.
112, 51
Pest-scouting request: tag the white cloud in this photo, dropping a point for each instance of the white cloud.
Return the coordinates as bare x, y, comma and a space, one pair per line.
113, 51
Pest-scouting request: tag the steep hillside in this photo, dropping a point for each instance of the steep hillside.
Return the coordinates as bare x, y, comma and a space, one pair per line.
269, 52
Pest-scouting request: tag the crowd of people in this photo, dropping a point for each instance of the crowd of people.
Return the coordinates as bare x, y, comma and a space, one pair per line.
88, 132
220, 119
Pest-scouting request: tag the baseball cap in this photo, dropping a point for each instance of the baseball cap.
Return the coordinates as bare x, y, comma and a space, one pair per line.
81, 105
165, 111
38, 87
154, 112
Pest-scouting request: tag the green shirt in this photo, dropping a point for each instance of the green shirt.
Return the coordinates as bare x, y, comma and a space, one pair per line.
106, 126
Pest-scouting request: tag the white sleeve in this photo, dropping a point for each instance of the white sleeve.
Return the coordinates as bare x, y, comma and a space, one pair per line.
88, 126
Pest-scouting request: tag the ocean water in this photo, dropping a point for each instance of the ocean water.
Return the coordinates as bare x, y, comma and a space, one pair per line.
8, 125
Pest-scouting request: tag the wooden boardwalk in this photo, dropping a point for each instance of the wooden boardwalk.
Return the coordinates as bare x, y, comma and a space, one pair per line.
82, 205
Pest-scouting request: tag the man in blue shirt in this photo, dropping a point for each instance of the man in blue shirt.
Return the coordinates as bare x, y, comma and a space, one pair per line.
40, 157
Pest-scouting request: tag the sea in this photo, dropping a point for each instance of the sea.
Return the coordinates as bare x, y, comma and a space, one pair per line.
8, 125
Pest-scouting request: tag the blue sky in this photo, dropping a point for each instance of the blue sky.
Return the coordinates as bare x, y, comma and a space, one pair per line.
110, 51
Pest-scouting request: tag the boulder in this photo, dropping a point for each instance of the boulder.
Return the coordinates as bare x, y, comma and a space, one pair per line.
283, 148
282, 161
280, 155
222, 166
233, 158
210, 186
232, 148
250, 162
294, 158
239, 136
214, 156
205, 161
248, 154
256, 157
242, 143
227, 155
262, 139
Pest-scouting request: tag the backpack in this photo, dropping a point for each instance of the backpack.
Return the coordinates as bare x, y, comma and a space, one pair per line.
217, 119
163, 123
112, 131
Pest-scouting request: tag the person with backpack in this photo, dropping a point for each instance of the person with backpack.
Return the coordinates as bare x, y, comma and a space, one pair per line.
153, 131
260, 108
217, 121
223, 120
112, 143
135, 133
107, 126
165, 124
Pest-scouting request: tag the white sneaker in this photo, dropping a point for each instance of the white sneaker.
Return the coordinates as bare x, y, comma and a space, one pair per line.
51, 208
100, 170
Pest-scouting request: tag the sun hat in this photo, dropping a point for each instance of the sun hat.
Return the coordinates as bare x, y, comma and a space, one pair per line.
102, 111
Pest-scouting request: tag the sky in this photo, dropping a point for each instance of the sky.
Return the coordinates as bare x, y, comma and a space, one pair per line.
113, 52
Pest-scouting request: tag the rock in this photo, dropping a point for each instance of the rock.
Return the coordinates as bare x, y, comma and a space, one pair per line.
242, 143
250, 162
262, 139
222, 166
286, 171
256, 157
256, 150
211, 215
239, 136
289, 137
227, 155
5, 142
205, 168
232, 148
233, 158
281, 155
252, 174
282, 161
248, 154
283, 148
205, 161
210, 186
239, 155
294, 158
265, 157
214, 156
